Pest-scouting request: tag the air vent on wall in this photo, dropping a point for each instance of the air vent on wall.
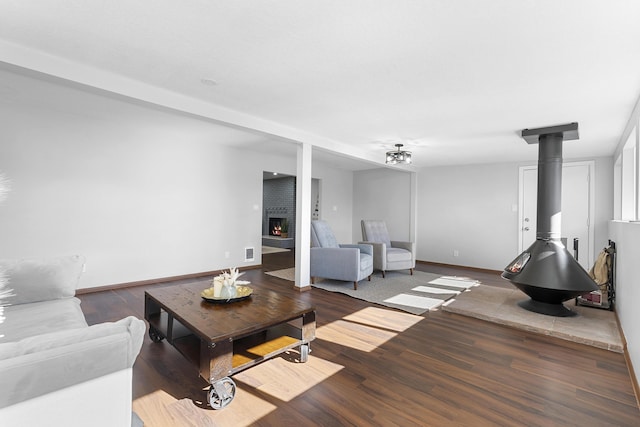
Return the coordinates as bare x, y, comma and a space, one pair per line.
248, 254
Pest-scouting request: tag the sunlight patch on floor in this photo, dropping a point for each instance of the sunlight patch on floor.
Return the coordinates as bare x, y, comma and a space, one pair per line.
285, 380
160, 409
281, 377
354, 335
367, 329
383, 318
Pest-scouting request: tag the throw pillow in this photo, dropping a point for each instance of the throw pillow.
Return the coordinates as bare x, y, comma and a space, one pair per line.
33, 280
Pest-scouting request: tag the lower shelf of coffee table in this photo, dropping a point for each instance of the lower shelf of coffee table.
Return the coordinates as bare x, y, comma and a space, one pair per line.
247, 351
244, 353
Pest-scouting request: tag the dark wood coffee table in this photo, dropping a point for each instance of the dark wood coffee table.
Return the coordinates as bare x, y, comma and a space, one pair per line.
223, 339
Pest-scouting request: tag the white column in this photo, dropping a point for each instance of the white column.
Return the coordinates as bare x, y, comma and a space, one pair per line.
303, 215
413, 216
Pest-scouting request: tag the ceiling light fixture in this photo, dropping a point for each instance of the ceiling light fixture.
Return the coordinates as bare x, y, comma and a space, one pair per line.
399, 156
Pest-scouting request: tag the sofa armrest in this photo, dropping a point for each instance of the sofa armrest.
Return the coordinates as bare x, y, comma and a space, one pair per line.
409, 246
42, 364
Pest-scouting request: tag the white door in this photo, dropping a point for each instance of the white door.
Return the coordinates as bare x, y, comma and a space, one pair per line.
576, 209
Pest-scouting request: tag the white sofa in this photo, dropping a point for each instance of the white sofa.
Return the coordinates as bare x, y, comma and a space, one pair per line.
54, 368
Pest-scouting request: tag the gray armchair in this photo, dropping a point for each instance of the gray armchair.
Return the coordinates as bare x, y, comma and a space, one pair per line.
387, 254
331, 260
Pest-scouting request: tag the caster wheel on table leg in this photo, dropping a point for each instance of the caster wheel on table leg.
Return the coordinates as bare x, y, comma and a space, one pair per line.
155, 335
221, 393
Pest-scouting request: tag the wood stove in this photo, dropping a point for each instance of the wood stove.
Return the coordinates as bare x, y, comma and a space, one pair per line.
546, 271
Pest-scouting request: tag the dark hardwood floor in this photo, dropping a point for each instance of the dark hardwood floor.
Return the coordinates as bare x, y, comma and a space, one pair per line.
443, 370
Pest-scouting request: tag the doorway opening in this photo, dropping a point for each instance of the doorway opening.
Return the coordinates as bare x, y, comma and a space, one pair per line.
279, 210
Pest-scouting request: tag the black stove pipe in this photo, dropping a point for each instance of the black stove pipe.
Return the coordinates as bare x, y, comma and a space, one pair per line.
549, 221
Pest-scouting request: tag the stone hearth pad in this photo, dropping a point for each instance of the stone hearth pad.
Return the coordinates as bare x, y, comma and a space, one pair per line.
591, 326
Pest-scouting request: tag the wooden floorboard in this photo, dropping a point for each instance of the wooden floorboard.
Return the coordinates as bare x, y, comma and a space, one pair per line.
375, 366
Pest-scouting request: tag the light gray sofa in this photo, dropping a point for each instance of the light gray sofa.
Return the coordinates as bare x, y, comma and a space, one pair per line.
331, 260
387, 254
54, 368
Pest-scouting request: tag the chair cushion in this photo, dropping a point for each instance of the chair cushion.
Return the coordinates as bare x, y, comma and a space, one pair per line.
375, 231
397, 254
366, 261
27, 320
322, 236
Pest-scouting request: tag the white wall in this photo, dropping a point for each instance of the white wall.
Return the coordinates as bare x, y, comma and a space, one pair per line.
383, 194
627, 238
336, 199
603, 212
142, 193
138, 202
469, 209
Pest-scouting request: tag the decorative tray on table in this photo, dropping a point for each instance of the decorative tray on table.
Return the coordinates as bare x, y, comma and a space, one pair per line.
242, 293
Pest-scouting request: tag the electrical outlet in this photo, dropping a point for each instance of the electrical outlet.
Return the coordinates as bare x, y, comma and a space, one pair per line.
455, 252
226, 255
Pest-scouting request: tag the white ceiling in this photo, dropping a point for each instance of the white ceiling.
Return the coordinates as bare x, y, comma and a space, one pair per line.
454, 80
